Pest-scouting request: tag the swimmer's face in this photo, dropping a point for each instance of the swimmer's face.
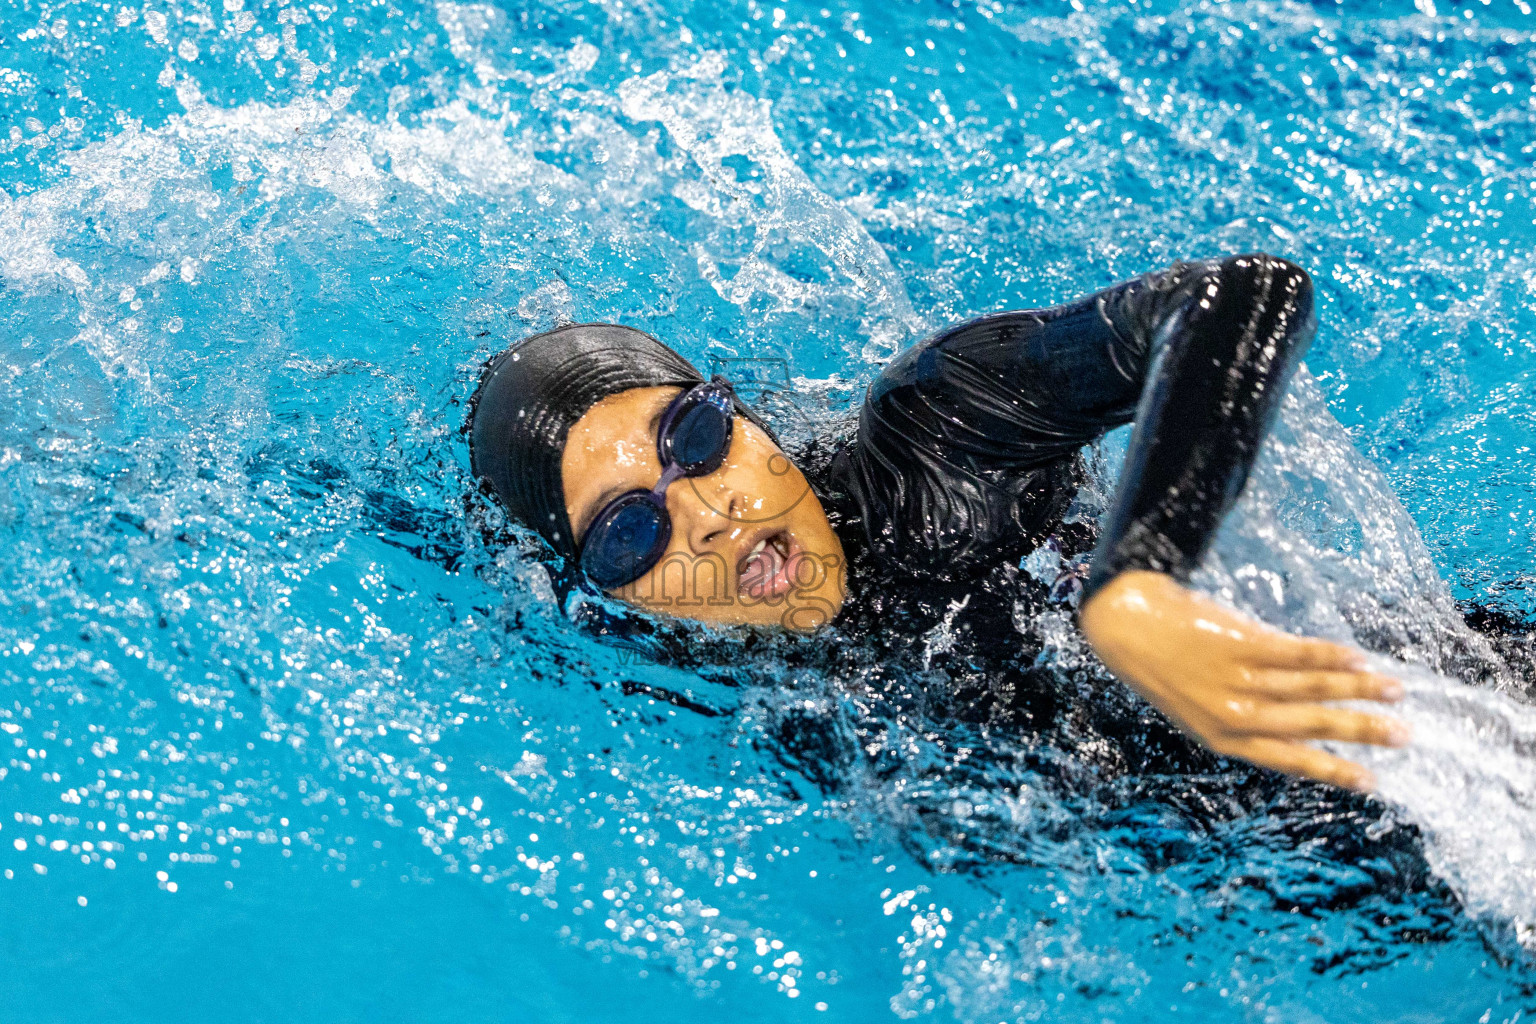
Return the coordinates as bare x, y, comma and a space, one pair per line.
750, 542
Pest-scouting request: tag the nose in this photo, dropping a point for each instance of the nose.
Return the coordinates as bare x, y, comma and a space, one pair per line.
704, 513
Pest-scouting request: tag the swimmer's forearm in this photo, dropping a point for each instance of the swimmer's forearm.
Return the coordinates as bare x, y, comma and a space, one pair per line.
1237, 686
1229, 349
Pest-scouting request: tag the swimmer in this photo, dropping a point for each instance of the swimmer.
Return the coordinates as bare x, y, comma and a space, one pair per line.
668, 492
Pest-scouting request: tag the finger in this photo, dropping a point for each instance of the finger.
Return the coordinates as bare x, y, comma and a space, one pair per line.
1285, 685
1282, 650
1306, 762
1316, 722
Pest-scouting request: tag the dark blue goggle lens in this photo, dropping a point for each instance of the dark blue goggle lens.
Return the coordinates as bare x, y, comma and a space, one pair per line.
700, 437
625, 542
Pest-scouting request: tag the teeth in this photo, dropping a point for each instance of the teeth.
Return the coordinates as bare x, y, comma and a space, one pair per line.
758, 547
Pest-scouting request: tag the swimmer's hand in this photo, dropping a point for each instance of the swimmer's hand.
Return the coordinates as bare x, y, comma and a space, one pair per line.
1241, 688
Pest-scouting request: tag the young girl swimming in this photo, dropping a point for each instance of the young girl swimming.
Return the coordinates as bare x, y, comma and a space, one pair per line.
668, 492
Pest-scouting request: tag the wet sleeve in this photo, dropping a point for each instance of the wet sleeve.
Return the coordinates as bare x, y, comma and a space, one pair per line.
968, 441
1219, 360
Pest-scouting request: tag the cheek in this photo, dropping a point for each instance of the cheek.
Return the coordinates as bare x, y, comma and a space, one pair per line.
765, 476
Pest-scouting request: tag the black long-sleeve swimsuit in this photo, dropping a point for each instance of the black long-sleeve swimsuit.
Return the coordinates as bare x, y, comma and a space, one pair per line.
967, 455
968, 444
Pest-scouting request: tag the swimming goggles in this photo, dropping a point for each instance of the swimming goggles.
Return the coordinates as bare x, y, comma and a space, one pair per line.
631, 533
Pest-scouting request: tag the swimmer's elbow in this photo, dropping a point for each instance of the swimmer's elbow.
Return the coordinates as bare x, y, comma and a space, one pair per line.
1282, 276
1292, 280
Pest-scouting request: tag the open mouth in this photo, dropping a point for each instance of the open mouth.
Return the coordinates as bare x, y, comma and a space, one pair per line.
764, 572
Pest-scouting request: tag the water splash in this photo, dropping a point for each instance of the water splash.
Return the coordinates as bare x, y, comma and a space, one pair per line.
731, 138
1320, 545
250, 638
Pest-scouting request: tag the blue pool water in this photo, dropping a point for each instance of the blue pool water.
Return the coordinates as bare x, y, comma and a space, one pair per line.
283, 739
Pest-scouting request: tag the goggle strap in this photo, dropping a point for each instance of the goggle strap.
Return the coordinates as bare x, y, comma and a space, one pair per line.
669, 476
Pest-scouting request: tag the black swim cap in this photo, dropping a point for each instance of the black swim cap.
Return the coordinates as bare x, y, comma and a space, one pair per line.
533, 393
